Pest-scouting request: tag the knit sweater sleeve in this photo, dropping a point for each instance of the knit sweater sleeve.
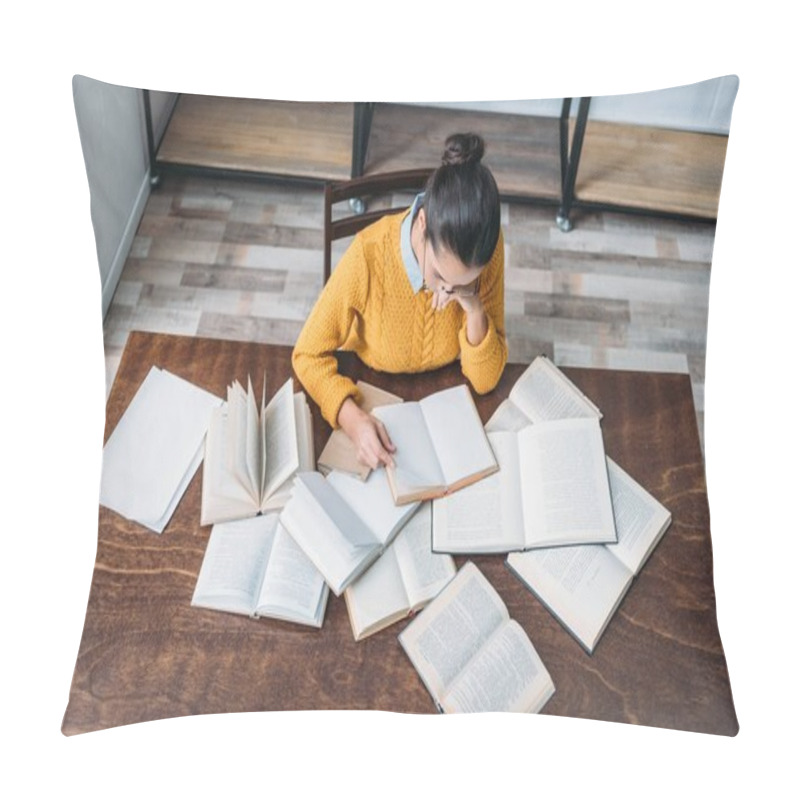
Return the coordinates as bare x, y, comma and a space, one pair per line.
327, 328
483, 364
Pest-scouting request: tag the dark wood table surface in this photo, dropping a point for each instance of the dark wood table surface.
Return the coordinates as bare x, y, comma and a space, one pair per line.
146, 654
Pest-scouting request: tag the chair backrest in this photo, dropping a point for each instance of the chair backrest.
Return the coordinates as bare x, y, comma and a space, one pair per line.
358, 189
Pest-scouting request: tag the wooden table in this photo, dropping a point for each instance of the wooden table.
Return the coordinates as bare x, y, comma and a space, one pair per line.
147, 654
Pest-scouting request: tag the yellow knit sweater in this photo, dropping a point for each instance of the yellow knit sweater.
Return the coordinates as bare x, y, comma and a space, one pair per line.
369, 307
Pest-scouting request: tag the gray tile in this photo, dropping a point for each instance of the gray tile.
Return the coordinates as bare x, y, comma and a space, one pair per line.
151, 270
573, 355
128, 292
586, 308
140, 247
268, 257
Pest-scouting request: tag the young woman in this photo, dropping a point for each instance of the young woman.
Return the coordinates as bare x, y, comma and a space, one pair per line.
414, 291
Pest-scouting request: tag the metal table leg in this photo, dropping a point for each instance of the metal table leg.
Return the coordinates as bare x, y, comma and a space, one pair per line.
569, 163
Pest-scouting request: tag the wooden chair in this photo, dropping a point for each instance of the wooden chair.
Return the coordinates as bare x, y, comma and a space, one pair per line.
355, 191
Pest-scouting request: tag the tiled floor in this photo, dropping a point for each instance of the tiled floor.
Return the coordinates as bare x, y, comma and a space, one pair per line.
243, 260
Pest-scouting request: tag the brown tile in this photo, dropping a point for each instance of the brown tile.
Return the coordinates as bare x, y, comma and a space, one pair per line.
185, 250
249, 329
237, 278
252, 212
585, 308
277, 235
553, 329
201, 230
630, 266
151, 270
522, 350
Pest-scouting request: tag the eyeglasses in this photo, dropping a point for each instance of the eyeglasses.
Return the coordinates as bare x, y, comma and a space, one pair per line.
470, 289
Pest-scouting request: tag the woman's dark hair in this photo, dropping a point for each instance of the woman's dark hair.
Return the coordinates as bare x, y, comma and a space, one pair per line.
462, 204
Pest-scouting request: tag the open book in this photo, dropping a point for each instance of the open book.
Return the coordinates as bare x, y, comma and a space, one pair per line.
583, 586
552, 489
401, 581
251, 455
342, 523
155, 449
470, 655
252, 566
543, 392
441, 445
339, 452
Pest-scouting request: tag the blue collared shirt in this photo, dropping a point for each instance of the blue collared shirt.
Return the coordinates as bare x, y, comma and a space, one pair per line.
413, 269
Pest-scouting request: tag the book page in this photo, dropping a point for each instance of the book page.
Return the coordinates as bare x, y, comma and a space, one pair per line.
640, 519
223, 496
371, 500
456, 430
376, 598
507, 675
581, 585
327, 548
543, 392
452, 628
416, 465
330, 534
237, 447
485, 517
253, 451
312, 487
153, 449
233, 565
305, 433
567, 498
507, 417
424, 572
279, 497
281, 456
292, 587
161, 522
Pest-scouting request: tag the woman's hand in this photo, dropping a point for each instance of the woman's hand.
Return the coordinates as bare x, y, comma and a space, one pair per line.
369, 435
477, 322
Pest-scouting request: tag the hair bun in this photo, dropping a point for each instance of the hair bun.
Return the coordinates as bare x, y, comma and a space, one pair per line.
462, 148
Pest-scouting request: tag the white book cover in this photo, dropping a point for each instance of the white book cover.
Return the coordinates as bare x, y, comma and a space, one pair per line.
155, 449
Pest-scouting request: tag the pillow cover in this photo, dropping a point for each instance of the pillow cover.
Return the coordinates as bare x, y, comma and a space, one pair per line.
210, 274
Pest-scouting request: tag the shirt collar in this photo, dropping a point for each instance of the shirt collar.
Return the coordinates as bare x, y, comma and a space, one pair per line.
413, 269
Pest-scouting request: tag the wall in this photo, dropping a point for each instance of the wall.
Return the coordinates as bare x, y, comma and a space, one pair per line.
705, 106
114, 142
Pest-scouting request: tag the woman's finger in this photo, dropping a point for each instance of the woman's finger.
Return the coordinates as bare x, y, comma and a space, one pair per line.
384, 436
